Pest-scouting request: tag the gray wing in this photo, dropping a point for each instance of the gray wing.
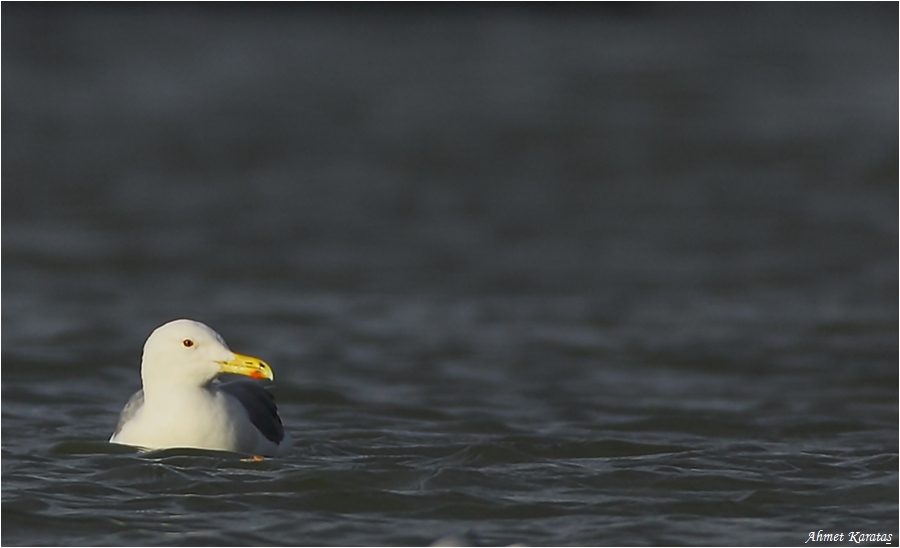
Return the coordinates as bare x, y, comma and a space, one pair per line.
260, 406
130, 410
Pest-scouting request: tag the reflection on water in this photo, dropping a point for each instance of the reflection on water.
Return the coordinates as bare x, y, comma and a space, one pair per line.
583, 277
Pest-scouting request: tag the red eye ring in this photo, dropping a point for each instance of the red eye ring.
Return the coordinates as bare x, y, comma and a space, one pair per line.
187, 343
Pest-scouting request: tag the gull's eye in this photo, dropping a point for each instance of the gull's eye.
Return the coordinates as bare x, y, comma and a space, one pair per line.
187, 343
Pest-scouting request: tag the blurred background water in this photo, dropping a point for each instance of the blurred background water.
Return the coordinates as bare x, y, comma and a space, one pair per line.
607, 275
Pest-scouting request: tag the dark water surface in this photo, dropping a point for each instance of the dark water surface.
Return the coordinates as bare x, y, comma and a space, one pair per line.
611, 277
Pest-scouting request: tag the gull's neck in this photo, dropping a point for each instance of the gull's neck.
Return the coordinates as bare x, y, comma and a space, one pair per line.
158, 390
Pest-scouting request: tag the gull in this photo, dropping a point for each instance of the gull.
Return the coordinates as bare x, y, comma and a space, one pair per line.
183, 404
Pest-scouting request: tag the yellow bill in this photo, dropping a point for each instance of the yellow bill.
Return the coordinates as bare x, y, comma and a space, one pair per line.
247, 365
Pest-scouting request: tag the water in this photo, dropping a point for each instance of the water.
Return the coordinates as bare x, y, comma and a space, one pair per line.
580, 278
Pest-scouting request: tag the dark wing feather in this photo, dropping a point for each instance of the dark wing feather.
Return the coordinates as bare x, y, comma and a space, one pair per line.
130, 410
260, 406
